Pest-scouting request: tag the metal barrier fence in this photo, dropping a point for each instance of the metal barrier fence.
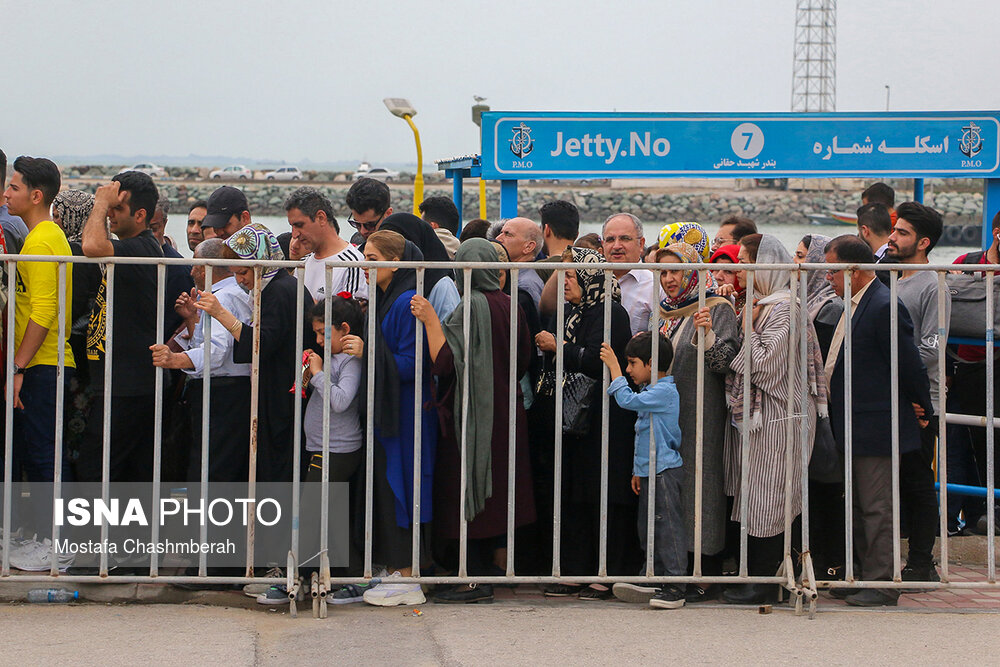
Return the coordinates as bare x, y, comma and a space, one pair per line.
803, 586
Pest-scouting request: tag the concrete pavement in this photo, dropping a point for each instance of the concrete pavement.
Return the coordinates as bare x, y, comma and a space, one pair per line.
503, 633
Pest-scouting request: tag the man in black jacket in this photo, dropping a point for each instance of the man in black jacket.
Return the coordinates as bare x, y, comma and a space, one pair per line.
871, 408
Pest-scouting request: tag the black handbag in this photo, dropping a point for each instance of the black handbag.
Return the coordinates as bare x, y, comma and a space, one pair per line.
578, 402
825, 464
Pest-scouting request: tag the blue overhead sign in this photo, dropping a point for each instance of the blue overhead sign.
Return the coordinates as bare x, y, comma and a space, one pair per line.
633, 145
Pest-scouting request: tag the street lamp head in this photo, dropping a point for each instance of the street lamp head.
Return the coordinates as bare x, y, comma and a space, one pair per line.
400, 107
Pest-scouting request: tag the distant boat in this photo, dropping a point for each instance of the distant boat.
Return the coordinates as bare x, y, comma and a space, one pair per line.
833, 218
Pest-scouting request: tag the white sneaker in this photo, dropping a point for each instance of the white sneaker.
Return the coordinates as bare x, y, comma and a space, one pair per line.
388, 594
634, 592
35, 556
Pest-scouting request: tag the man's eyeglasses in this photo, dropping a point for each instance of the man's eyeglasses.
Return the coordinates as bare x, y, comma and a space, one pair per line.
718, 241
367, 226
622, 239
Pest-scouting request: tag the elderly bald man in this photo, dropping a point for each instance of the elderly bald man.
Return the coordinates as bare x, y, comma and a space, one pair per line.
522, 239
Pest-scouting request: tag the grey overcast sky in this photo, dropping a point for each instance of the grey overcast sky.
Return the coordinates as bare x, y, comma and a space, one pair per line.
304, 79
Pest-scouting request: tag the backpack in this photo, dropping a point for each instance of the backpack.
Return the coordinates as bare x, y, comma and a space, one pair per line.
968, 302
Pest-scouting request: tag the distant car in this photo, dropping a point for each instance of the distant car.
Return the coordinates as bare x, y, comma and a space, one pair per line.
147, 168
233, 172
378, 173
284, 174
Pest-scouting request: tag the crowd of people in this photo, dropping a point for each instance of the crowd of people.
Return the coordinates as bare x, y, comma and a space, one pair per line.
751, 404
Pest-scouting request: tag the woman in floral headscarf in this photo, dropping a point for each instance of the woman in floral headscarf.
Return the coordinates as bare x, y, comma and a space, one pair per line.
691, 233
681, 318
278, 362
584, 290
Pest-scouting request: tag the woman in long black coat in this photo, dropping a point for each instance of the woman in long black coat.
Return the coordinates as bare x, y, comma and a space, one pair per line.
584, 290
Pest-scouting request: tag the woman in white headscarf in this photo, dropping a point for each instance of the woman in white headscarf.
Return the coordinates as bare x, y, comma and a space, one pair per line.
773, 422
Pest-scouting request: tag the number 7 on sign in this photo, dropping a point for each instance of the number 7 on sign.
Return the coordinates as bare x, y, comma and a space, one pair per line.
747, 141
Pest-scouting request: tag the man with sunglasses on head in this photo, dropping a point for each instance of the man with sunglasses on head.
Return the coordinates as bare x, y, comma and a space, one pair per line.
368, 200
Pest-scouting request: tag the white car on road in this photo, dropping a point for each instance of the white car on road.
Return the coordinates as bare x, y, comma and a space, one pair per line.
284, 174
233, 172
378, 173
147, 168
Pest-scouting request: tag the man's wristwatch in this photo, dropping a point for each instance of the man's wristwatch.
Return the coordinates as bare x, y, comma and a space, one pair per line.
18, 370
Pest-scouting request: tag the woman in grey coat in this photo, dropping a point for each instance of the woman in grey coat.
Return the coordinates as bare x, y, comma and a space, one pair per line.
680, 319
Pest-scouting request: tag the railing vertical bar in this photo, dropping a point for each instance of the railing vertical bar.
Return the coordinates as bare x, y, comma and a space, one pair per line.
370, 416
206, 388
254, 406
557, 449
803, 332
793, 363
602, 551
161, 278
654, 368
463, 525
297, 422
991, 560
745, 426
512, 413
942, 448
848, 429
57, 478
324, 534
699, 429
418, 403
109, 321
8, 443
894, 402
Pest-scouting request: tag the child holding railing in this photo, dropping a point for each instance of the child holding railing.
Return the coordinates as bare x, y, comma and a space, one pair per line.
658, 407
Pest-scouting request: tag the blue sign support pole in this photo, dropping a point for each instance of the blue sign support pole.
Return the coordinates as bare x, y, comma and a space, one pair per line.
991, 205
456, 195
508, 199
918, 190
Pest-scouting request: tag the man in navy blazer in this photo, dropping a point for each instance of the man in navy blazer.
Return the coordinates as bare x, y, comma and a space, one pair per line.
871, 408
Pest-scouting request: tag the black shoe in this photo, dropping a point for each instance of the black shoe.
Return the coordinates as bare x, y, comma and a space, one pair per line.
872, 597
470, 594
842, 593
590, 593
918, 573
668, 597
750, 594
561, 591
983, 524
696, 593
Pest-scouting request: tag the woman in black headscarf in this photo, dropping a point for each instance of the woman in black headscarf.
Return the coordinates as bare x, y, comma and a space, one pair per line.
439, 281
395, 379
584, 289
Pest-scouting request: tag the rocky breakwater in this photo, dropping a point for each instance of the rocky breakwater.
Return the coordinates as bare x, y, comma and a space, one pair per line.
595, 204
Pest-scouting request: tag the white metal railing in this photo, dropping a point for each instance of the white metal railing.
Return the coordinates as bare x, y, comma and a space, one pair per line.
804, 587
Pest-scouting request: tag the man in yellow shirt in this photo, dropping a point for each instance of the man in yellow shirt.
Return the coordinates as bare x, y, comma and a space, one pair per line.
37, 308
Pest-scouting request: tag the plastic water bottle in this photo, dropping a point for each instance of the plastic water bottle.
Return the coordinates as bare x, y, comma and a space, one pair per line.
52, 595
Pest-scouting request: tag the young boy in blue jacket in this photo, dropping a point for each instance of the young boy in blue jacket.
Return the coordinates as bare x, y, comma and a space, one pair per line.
657, 404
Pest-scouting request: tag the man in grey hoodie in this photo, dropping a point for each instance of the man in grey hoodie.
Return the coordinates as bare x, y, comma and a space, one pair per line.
915, 233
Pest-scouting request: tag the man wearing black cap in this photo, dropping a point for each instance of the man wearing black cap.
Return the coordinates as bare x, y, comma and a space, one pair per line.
228, 213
